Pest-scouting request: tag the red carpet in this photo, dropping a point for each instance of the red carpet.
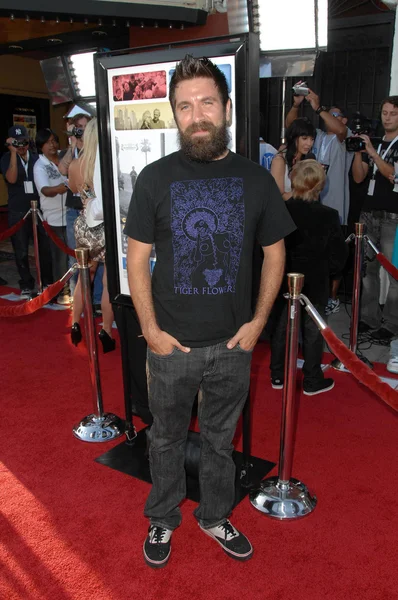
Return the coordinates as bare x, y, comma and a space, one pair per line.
72, 529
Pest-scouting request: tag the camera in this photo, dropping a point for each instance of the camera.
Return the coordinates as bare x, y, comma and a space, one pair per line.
18, 143
77, 132
360, 125
300, 89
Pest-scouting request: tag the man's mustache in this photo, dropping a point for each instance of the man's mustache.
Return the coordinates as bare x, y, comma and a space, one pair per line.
201, 126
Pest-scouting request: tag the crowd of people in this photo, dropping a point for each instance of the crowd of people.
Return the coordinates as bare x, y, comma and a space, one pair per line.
139, 86
67, 186
207, 208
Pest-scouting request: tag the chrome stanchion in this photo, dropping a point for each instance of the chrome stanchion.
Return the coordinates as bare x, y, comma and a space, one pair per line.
99, 426
359, 238
283, 497
33, 205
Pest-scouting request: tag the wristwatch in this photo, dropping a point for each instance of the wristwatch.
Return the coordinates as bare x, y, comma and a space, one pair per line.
320, 109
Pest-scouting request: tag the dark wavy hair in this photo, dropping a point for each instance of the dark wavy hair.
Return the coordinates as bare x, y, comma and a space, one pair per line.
390, 100
42, 136
190, 68
298, 128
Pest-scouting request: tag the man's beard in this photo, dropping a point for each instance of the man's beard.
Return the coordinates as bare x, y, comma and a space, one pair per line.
204, 148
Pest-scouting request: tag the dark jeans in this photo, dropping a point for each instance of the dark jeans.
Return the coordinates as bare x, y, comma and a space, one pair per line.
20, 243
312, 346
223, 378
59, 258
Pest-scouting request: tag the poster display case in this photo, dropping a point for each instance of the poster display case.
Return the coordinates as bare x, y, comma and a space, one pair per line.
137, 126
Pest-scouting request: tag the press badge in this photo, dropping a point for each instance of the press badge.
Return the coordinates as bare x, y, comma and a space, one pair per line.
371, 188
28, 185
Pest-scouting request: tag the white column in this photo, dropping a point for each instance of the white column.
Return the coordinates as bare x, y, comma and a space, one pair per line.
394, 61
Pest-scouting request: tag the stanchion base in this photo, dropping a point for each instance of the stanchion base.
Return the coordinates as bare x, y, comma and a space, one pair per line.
283, 501
338, 365
99, 429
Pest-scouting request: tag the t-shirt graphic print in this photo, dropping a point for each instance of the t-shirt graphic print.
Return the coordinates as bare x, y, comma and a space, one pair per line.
207, 223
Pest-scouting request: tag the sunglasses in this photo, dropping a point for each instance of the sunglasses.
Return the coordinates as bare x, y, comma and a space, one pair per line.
336, 114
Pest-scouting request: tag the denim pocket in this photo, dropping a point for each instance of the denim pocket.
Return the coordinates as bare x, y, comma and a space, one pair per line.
162, 355
239, 347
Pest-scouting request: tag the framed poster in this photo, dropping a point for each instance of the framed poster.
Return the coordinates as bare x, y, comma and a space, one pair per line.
137, 125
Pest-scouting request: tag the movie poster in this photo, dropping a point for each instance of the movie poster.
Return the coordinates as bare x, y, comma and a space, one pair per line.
143, 130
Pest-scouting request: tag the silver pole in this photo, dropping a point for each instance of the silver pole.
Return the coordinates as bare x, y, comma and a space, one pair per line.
283, 124
99, 426
359, 231
295, 284
359, 238
283, 497
89, 326
33, 205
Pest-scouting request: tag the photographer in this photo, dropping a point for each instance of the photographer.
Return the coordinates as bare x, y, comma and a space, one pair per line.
75, 127
17, 167
330, 150
380, 215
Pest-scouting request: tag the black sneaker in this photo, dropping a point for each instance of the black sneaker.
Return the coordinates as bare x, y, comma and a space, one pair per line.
232, 541
277, 383
157, 547
382, 334
323, 386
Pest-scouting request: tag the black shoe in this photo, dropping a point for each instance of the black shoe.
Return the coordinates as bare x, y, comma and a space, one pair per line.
3, 281
76, 334
108, 343
382, 334
157, 547
363, 327
232, 541
277, 383
317, 388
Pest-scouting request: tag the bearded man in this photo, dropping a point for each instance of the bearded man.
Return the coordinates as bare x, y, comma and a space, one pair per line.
203, 207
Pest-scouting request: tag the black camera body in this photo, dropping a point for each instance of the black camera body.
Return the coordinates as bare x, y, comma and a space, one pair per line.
78, 132
360, 125
17, 143
355, 144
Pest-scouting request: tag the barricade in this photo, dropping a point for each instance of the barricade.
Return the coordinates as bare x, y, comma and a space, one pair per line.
9, 232
360, 238
31, 306
283, 497
98, 426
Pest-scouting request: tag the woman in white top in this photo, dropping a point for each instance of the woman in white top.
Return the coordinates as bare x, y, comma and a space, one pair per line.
85, 178
52, 189
300, 138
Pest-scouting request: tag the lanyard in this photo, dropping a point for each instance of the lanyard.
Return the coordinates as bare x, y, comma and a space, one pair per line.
383, 155
25, 164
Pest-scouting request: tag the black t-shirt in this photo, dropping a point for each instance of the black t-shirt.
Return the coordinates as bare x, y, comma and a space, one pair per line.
18, 199
383, 197
204, 219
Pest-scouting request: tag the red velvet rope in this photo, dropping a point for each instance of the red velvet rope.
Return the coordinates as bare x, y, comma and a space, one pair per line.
387, 265
360, 371
57, 241
9, 232
20, 310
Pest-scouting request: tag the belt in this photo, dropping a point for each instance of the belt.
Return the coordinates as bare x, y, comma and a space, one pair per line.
383, 214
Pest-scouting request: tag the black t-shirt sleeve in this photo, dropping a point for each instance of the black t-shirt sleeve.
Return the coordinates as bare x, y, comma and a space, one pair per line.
275, 222
140, 223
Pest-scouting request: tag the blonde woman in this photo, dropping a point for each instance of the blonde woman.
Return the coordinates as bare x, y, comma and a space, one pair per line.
317, 249
85, 178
